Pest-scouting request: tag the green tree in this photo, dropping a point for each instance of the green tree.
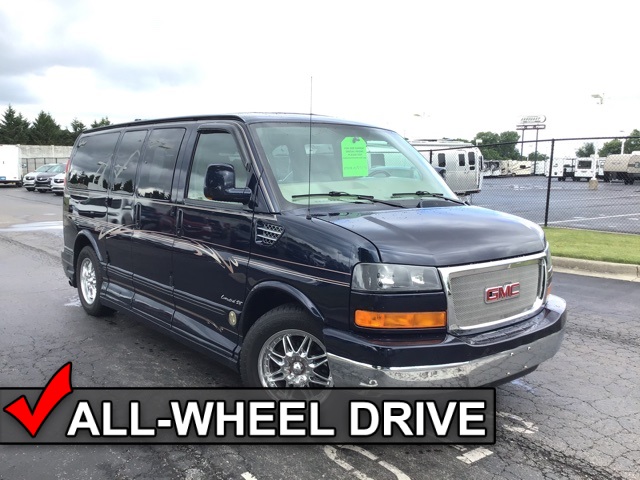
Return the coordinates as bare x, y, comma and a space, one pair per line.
609, 148
540, 158
14, 128
500, 146
45, 130
103, 122
633, 144
69, 137
586, 150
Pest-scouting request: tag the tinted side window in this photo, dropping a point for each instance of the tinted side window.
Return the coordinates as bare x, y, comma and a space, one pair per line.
472, 158
461, 159
126, 161
91, 162
158, 163
442, 160
214, 147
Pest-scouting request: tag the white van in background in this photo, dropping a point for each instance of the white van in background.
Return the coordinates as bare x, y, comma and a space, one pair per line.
588, 168
10, 165
463, 162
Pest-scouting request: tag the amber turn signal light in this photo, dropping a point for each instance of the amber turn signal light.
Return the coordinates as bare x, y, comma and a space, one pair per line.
368, 319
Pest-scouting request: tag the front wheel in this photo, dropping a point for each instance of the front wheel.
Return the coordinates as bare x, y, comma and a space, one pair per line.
89, 279
284, 349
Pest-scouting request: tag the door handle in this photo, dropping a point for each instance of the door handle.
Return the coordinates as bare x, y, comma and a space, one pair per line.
137, 215
179, 220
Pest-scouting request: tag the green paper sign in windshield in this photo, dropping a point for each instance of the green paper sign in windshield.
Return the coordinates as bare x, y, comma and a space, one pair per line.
354, 157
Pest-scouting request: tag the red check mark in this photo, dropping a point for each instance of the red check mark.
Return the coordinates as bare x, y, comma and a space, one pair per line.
58, 387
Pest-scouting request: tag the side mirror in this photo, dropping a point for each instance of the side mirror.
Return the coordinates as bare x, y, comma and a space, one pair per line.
220, 185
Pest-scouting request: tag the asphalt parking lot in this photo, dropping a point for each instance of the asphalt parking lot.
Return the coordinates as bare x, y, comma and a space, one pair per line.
613, 207
576, 417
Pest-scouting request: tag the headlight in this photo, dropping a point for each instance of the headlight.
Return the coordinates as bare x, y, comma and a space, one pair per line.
388, 278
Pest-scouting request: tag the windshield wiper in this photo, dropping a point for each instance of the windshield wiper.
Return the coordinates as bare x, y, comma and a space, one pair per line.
333, 193
424, 193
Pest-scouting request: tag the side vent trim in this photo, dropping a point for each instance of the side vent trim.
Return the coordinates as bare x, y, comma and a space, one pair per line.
267, 234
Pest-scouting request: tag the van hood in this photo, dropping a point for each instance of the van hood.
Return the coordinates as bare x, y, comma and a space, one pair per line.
444, 236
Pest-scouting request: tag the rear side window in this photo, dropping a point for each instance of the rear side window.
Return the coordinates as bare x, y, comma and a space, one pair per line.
126, 161
158, 163
92, 160
472, 158
442, 160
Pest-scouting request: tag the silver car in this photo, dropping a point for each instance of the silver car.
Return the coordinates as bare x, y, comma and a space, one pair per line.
29, 180
57, 184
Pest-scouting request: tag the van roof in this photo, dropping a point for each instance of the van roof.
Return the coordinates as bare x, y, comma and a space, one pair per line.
248, 118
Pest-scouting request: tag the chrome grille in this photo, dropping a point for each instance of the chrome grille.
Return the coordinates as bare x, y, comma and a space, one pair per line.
466, 287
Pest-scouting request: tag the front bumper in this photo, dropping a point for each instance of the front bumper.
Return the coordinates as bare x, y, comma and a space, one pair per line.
475, 360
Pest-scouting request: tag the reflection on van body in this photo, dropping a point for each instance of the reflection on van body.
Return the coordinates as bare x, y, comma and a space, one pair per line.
306, 254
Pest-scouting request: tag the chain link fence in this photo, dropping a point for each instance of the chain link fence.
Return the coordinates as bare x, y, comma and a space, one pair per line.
561, 190
30, 164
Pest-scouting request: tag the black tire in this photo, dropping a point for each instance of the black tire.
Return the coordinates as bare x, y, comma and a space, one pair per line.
270, 329
30, 189
89, 290
42, 191
59, 194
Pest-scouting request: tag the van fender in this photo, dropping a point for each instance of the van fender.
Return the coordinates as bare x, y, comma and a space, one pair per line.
80, 237
253, 308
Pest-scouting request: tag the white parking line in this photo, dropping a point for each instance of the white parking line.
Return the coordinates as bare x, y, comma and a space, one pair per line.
528, 428
474, 455
332, 453
248, 476
596, 218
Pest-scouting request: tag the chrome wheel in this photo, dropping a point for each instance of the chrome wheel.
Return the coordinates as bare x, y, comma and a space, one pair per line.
294, 359
88, 281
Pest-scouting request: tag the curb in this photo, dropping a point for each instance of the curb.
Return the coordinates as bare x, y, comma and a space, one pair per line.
619, 271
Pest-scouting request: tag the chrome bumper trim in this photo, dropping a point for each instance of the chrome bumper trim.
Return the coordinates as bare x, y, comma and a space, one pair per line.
474, 373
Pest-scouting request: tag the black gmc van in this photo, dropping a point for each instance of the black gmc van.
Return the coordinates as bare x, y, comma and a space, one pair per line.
305, 251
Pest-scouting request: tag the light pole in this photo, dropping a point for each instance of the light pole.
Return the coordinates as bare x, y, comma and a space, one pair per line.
623, 140
600, 98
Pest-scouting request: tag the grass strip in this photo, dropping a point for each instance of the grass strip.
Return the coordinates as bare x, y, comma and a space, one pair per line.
590, 245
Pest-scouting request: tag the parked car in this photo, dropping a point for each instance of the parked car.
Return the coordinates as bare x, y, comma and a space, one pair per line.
324, 253
29, 180
43, 179
57, 184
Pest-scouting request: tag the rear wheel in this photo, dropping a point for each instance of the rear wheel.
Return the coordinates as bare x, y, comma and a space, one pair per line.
89, 279
284, 349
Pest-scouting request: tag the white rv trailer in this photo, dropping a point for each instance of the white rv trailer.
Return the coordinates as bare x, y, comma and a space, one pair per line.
588, 168
463, 162
563, 168
10, 165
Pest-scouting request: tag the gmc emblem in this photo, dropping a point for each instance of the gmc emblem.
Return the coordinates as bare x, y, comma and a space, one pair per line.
497, 294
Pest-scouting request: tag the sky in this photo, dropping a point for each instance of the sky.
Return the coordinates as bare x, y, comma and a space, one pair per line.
427, 69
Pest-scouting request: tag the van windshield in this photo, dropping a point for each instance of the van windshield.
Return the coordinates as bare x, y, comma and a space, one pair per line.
363, 161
